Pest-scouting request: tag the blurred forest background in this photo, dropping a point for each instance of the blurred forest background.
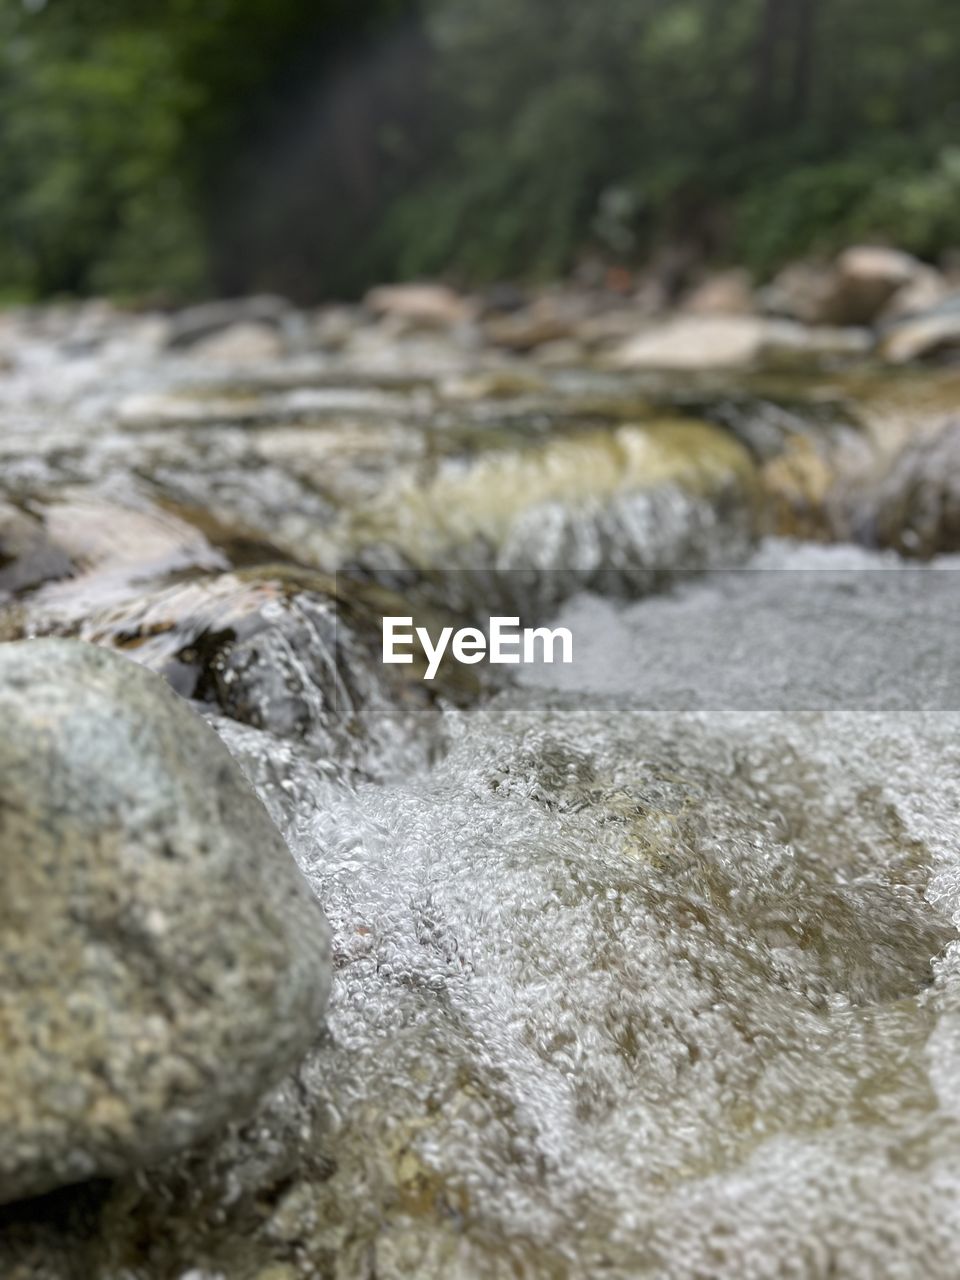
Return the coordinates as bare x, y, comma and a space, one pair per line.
173, 148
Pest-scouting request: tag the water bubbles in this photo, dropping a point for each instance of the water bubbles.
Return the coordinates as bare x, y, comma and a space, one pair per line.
630, 993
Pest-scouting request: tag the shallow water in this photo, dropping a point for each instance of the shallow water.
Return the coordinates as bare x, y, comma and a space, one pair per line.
629, 992
646, 966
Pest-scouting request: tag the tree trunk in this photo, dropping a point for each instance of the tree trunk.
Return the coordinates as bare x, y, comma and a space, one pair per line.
804, 49
774, 28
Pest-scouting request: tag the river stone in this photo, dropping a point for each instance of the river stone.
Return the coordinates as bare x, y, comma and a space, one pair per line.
164, 962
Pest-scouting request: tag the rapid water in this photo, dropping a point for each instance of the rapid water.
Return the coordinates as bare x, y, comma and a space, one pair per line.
646, 966
626, 992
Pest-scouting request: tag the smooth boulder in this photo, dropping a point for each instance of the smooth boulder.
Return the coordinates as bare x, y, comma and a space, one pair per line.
164, 961
692, 342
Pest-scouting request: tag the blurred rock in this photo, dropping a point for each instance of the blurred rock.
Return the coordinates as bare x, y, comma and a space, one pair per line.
867, 278
736, 342
915, 506
786, 345
529, 522
853, 290
164, 962
193, 323
28, 556
550, 318
609, 327
247, 342
101, 535
333, 327
798, 485
693, 343
503, 297
145, 410
723, 293
924, 292
925, 335
420, 306
498, 384
105, 551
564, 353
802, 291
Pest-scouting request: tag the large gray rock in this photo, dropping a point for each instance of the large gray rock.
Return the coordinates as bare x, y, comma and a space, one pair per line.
163, 960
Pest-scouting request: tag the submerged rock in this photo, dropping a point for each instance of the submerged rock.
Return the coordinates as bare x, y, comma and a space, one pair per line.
164, 962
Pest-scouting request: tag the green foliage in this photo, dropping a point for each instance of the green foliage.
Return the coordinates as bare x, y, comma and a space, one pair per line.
113, 120
515, 202
172, 147
922, 205
757, 128
893, 193
91, 155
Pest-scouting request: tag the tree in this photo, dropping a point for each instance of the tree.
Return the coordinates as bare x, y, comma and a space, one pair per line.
178, 146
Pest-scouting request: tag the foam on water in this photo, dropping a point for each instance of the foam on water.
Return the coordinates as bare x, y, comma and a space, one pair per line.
622, 992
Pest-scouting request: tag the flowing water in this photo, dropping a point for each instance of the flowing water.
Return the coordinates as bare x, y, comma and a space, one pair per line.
644, 992
645, 966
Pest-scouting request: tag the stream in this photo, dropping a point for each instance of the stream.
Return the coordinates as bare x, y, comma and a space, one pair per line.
643, 966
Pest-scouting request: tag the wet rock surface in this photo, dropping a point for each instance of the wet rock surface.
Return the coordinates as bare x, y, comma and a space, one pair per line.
163, 960
914, 505
928, 334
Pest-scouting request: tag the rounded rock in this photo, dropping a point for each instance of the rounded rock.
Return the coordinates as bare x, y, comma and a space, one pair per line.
164, 961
